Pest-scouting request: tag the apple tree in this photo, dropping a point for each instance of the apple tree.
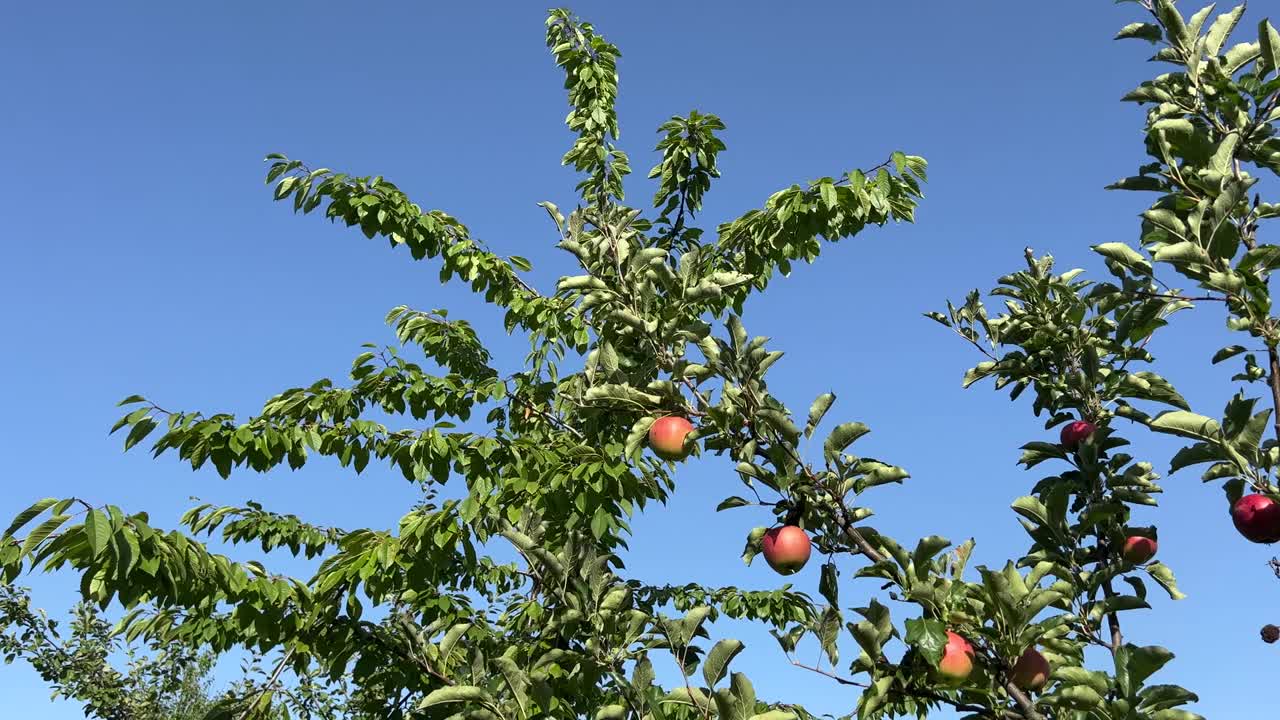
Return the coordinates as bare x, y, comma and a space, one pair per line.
641, 356
1211, 136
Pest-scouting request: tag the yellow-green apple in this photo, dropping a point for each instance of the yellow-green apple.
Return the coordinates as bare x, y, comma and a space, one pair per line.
957, 658
1257, 517
786, 549
667, 435
1074, 433
1031, 671
1138, 549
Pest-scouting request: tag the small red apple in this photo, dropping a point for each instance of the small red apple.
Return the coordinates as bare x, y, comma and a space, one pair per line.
1138, 549
667, 435
957, 658
1031, 672
1257, 517
1074, 433
786, 549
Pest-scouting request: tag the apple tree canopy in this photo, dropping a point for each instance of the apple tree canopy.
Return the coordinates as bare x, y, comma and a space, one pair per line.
548, 463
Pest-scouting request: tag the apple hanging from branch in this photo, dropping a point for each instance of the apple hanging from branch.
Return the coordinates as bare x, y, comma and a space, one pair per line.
1138, 549
786, 549
1257, 517
1031, 672
667, 437
1076, 432
957, 659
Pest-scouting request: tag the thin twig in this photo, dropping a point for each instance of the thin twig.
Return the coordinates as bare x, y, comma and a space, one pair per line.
838, 678
1274, 382
271, 682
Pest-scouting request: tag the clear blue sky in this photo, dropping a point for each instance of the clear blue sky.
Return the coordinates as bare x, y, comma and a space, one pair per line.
143, 254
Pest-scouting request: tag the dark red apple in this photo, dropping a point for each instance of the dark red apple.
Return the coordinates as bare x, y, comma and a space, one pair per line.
1074, 433
1138, 549
1031, 672
957, 658
1257, 517
666, 437
786, 549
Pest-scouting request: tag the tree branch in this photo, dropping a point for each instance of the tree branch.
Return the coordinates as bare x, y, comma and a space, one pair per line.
1274, 382
271, 683
1025, 706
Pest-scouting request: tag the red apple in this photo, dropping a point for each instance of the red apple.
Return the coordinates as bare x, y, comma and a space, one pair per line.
666, 437
1138, 549
1031, 672
957, 658
786, 549
1074, 433
1257, 517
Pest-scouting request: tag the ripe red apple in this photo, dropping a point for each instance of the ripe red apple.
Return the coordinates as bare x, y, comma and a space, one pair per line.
786, 549
1031, 672
957, 658
1074, 433
1257, 517
1138, 549
666, 437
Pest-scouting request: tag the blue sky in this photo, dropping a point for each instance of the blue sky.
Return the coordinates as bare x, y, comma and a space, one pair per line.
143, 254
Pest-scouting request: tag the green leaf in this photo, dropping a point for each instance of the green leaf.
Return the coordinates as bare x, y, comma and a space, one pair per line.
1196, 454
643, 676
42, 531
1146, 385
692, 621
1227, 352
601, 521
1125, 255
752, 547
828, 633
1221, 29
1174, 26
1182, 252
28, 515
139, 432
716, 666
638, 435
1121, 603
1175, 714
1032, 509
924, 552
1080, 697
732, 502
1136, 183
1163, 575
816, 412
829, 584
1140, 31
97, 530
1145, 661
456, 694
1225, 153
927, 636
1159, 697
612, 712
1036, 452
775, 715
1185, 424
842, 436
451, 639
1269, 45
